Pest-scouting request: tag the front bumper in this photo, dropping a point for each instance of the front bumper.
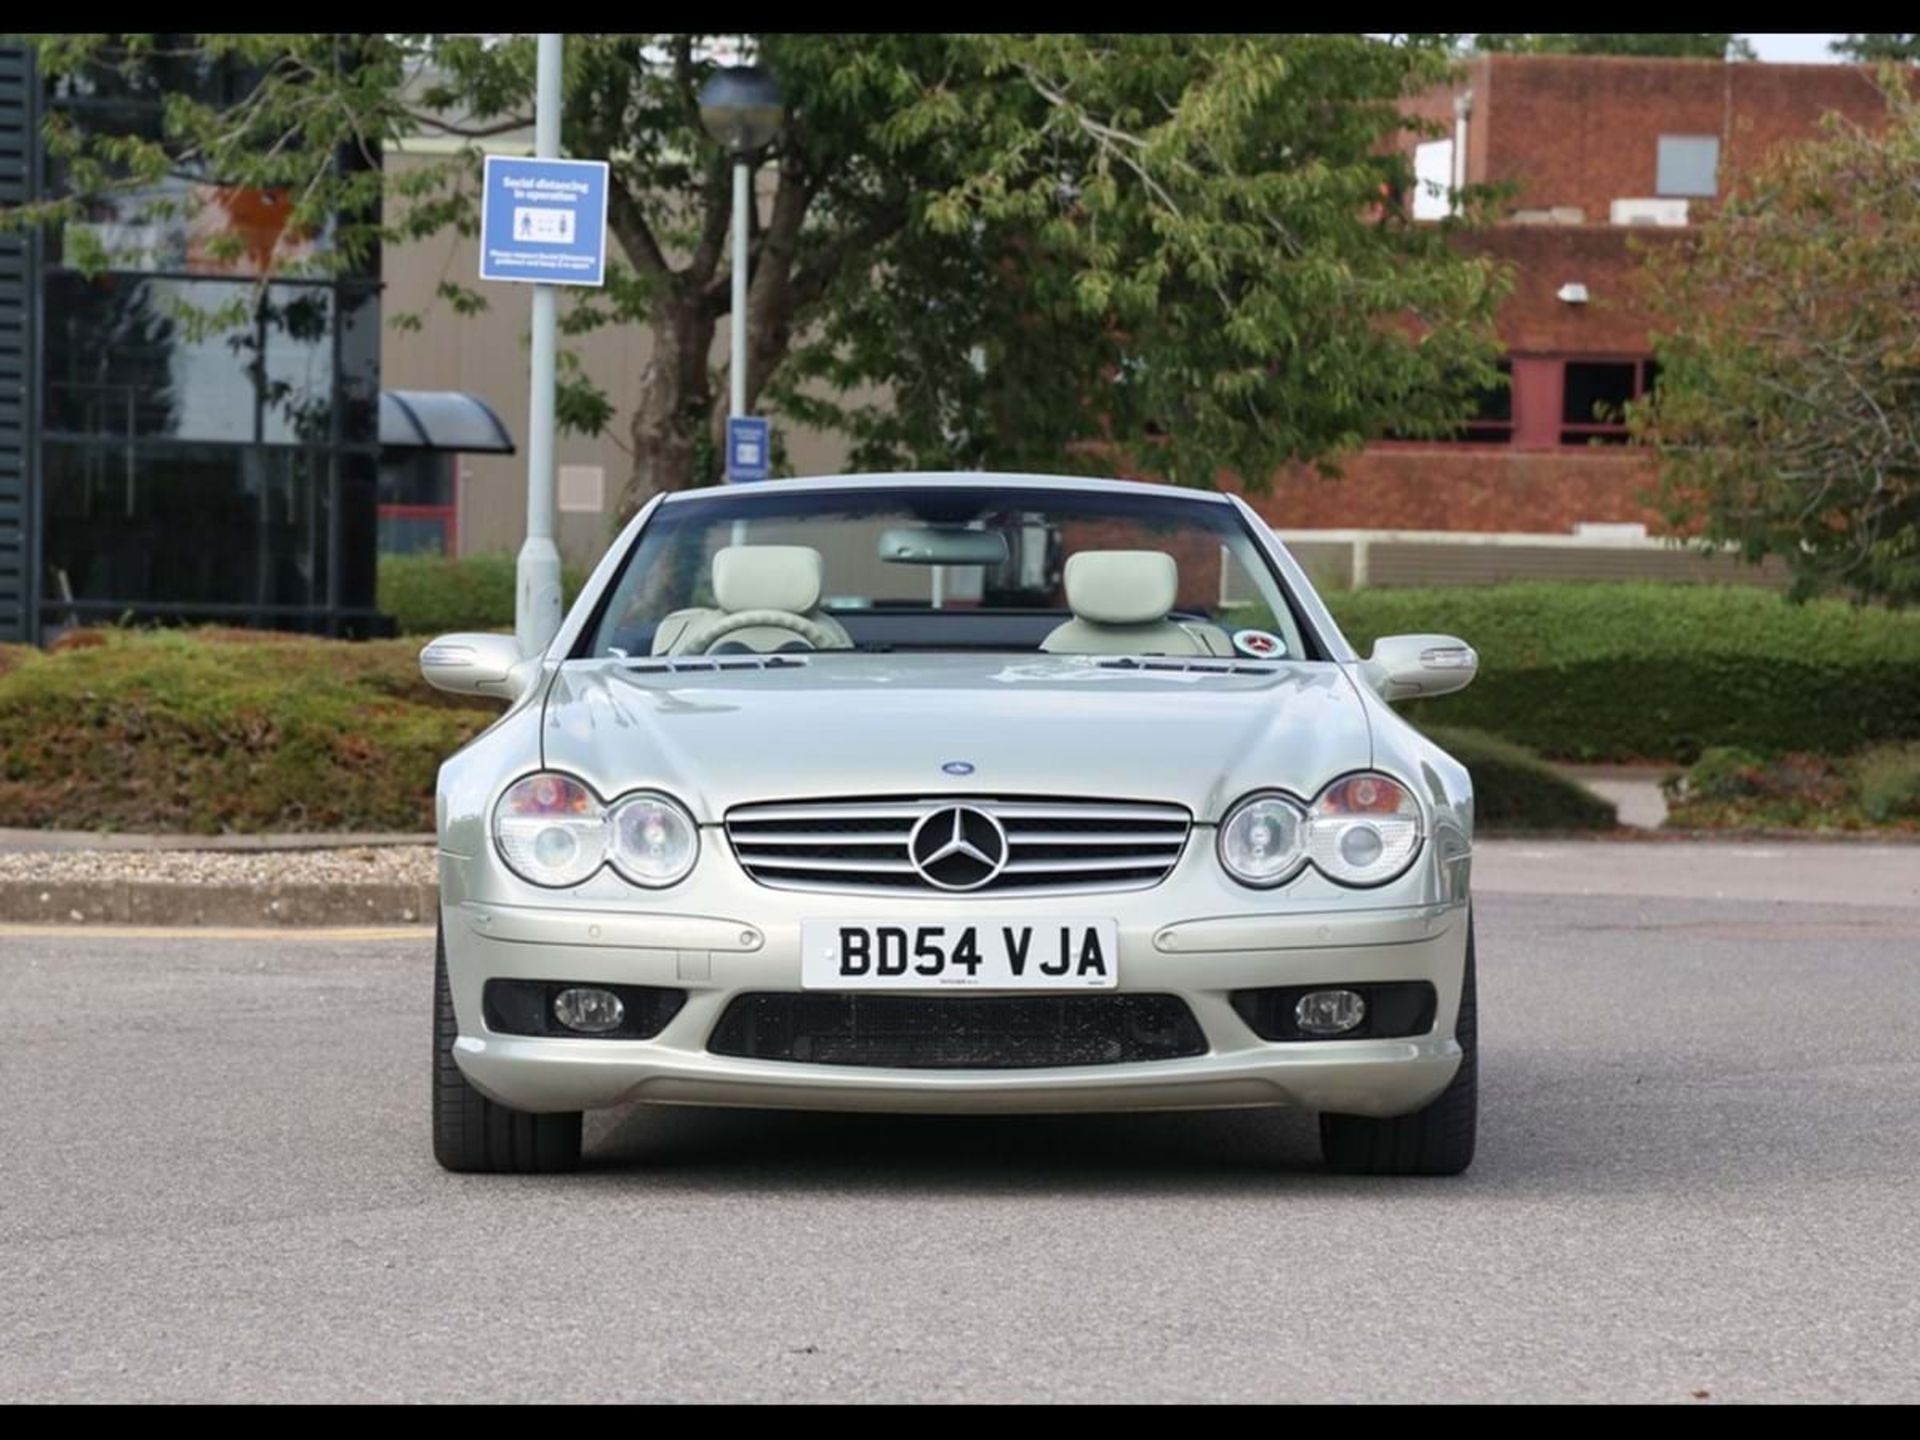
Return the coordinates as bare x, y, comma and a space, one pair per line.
721, 935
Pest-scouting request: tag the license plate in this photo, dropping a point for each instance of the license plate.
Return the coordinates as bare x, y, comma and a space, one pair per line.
1044, 955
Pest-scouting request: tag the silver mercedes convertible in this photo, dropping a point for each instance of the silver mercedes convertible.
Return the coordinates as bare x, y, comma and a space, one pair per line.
953, 793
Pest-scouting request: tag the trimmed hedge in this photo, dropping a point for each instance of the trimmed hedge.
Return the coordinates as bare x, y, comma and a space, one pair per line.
1513, 789
435, 595
229, 730
224, 730
1660, 672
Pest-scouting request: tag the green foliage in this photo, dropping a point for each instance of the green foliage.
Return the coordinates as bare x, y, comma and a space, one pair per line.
225, 730
1739, 789
1687, 45
1513, 789
1660, 672
1878, 47
1888, 782
1725, 772
1183, 247
1185, 254
436, 595
1787, 417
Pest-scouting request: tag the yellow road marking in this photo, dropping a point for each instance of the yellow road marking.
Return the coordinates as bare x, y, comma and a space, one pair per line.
221, 932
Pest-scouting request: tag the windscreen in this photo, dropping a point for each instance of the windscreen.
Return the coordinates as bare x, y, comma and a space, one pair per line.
929, 567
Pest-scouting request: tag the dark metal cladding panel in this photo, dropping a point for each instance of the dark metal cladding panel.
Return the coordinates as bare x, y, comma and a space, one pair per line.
18, 144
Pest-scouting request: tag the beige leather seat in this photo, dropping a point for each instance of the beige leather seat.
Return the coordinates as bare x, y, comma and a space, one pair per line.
786, 578
1120, 601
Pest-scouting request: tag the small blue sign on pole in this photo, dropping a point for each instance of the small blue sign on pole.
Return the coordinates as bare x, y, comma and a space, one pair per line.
748, 444
544, 222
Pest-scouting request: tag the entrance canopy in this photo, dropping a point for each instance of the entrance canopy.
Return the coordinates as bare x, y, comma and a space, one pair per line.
441, 420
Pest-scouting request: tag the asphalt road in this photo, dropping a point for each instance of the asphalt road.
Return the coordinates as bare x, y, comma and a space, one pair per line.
1699, 1180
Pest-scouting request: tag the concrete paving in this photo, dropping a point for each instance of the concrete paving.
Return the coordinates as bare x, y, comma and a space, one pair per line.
1698, 1179
57, 841
1634, 790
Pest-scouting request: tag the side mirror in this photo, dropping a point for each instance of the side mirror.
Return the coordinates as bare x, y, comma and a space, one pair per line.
1407, 667
478, 665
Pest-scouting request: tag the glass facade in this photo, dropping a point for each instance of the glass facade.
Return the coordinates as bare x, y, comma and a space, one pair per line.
208, 418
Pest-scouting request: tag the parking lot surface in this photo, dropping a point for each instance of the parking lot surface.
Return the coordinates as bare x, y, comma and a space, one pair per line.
1698, 1178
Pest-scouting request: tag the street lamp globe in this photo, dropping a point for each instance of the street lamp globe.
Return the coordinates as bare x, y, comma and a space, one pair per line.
741, 108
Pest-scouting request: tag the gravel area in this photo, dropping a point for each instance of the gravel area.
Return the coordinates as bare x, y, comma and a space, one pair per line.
381, 865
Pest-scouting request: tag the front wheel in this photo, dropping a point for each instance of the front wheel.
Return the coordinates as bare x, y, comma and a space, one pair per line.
1436, 1140
473, 1133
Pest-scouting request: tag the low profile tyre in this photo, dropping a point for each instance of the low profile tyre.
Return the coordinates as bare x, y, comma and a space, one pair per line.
471, 1132
1437, 1140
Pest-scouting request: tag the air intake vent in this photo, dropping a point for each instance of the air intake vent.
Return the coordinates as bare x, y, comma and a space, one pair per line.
1045, 845
706, 665
1002, 1032
1189, 667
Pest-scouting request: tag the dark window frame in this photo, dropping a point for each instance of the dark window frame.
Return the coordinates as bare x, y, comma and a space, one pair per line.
1578, 434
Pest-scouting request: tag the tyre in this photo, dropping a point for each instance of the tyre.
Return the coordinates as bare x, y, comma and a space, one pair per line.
1437, 1140
473, 1133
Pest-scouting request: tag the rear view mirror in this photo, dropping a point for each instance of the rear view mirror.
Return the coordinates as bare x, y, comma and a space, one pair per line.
478, 665
926, 545
1408, 667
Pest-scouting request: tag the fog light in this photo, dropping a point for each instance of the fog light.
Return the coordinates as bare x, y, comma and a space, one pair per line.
1360, 846
592, 1011
1329, 1012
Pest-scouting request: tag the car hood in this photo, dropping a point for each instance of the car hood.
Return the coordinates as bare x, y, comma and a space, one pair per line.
869, 725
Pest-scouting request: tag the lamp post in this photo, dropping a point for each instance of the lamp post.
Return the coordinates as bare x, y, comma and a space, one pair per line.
536, 612
741, 108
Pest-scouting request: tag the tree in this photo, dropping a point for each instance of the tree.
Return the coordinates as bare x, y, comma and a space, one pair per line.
1684, 45
1878, 47
1787, 417
1174, 252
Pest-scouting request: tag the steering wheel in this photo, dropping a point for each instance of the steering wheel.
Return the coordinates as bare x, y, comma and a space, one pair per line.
701, 637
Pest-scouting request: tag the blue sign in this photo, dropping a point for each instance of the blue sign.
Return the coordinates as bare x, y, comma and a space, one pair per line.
748, 446
544, 222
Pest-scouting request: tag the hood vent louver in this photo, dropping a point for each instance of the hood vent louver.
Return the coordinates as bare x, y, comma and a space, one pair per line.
709, 664
1191, 667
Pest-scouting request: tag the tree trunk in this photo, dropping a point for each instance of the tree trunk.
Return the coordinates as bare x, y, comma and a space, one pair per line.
676, 397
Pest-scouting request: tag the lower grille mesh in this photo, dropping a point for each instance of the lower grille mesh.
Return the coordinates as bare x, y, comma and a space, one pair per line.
913, 1032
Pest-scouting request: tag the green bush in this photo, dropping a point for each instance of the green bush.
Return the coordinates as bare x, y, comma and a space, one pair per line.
1725, 772
1730, 789
213, 731
1660, 672
1888, 781
1513, 789
435, 595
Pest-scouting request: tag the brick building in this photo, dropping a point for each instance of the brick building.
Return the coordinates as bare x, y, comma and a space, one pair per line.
1597, 150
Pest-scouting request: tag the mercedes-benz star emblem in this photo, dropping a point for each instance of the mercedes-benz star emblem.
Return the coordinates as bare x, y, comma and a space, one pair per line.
958, 848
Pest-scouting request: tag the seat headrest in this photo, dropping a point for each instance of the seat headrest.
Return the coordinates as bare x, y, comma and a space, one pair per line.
1122, 587
767, 577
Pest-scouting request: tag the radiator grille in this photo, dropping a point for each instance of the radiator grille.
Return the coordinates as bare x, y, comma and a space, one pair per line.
1050, 845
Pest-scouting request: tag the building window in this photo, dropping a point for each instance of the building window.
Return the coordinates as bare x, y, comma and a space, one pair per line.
1688, 165
1433, 180
1594, 396
1492, 422
419, 505
207, 404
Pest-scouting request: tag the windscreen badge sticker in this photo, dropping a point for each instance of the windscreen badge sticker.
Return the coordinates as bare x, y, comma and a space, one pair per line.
1261, 644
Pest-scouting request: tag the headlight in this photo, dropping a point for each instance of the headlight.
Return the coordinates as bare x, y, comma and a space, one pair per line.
1263, 840
655, 842
551, 830
1363, 830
